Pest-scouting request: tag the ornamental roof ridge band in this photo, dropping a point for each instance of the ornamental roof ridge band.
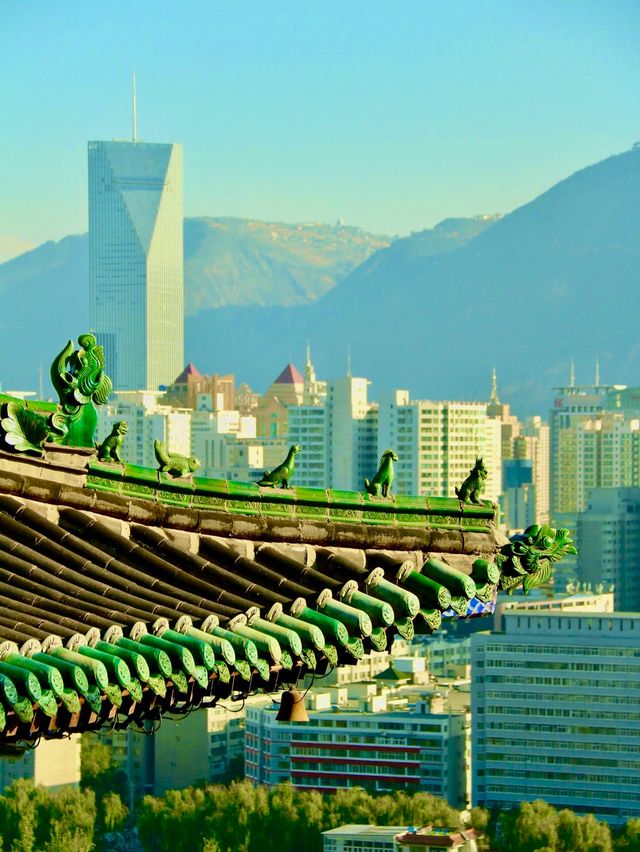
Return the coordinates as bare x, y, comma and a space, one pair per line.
125, 595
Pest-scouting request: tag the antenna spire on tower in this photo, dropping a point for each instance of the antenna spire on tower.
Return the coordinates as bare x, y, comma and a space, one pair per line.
572, 374
596, 378
135, 127
494, 386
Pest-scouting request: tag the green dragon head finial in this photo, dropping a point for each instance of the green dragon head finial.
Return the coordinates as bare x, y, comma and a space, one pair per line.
79, 379
528, 558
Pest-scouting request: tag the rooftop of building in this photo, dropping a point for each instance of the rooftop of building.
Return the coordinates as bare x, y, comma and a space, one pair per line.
190, 371
439, 837
424, 836
366, 830
291, 375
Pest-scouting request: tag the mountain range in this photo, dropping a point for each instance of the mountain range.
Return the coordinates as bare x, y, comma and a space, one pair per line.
554, 280
558, 279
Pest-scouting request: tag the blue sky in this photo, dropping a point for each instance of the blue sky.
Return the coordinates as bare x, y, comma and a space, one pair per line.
390, 115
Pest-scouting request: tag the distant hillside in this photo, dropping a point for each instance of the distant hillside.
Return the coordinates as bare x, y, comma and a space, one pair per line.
243, 262
557, 278
44, 292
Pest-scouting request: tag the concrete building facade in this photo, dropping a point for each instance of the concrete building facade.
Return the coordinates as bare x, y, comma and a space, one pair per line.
54, 764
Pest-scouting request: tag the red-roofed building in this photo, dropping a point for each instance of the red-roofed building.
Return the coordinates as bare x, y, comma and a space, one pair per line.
287, 390
429, 839
193, 389
291, 375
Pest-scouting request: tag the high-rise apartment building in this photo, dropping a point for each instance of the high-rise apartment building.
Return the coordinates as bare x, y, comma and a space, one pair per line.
573, 406
608, 539
555, 701
534, 441
136, 260
437, 443
338, 436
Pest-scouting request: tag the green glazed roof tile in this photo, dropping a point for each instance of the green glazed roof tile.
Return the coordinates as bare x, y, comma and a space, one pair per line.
47, 703
180, 682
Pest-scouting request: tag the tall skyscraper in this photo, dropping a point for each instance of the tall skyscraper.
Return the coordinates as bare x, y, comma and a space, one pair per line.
136, 281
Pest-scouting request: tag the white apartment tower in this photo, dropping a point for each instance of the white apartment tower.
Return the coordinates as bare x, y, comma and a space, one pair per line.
136, 260
437, 443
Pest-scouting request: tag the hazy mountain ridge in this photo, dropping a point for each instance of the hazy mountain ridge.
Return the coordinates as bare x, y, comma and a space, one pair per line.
44, 292
557, 278
242, 262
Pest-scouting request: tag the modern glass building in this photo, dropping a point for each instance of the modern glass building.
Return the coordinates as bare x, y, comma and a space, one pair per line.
136, 260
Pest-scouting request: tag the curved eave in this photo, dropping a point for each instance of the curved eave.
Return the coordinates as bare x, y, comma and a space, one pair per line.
102, 568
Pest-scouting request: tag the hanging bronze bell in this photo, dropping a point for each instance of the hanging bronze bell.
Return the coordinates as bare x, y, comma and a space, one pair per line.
292, 707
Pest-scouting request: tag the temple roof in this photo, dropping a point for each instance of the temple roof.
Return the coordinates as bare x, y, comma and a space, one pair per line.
126, 594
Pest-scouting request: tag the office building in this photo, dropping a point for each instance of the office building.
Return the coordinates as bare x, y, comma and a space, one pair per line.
193, 389
286, 391
533, 443
136, 260
555, 709
369, 745
608, 540
573, 407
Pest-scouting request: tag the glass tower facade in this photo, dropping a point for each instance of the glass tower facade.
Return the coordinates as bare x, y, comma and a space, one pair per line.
136, 260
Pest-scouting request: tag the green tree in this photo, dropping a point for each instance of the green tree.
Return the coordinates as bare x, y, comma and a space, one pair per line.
18, 806
66, 821
114, 812
34, 820
582, 832
629, 838
533, 827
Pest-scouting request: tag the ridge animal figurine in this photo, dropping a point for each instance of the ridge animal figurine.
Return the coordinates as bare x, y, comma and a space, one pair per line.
383, 480
173, 464
282, 474
109, 449
469, 491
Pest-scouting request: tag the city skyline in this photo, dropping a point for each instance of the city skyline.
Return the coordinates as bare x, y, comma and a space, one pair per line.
391, 119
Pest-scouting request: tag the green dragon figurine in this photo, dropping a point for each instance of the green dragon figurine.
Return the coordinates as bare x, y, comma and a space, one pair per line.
383, 480
172, 464
529, 557
79, 379
471, 488
281, 474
